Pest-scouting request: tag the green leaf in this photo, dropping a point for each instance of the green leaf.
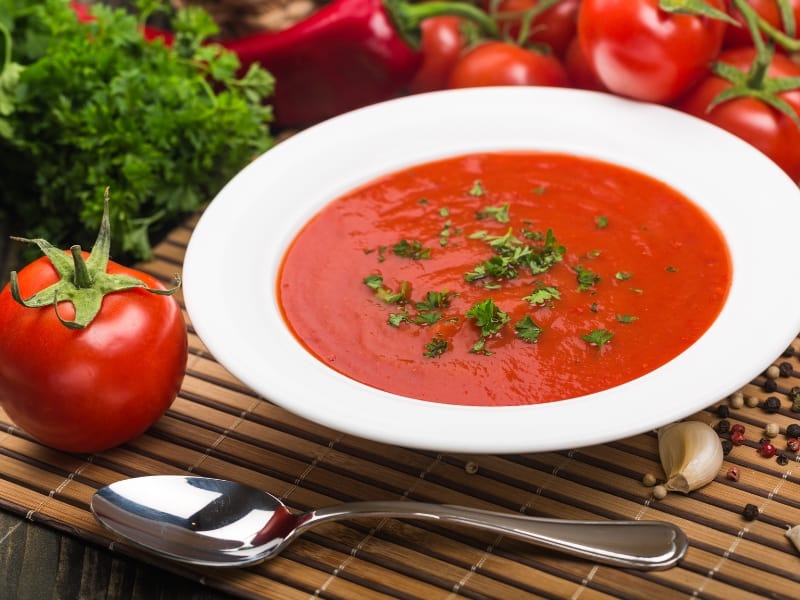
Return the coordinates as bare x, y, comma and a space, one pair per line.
527, 330
598, 337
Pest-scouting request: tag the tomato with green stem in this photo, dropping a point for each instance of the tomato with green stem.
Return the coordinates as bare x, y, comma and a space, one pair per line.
770, 12
757, 100
92, 353
502, 63
640, 49
551, 23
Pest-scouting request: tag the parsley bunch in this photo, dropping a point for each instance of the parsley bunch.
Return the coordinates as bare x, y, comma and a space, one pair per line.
86, 105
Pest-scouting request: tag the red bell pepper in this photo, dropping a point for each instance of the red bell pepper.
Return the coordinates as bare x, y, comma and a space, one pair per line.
348, 54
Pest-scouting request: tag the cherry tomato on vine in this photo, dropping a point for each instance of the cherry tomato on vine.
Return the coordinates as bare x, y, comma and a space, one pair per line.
83, 386
502, 63
554, 27
640, 51
752, 119
579, 70
443, 40
767, 10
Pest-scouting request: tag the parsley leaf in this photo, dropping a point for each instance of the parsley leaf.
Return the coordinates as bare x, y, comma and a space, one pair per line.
414, 250
586, 279
435, 348
477, 189
527, 330
598, 337
627, 318
498, 213
543, 294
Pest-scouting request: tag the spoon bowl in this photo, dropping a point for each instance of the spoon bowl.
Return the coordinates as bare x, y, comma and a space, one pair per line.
220, 523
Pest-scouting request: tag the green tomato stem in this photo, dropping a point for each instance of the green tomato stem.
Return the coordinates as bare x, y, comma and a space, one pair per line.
408, 17
83, 279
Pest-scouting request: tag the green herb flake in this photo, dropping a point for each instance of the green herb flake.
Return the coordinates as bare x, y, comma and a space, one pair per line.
601, 222
671, 269
435, 348
428, 317
488, 317
396, 319
623, 275
627, 318
598, 337
414, 250
543, 294
587, 279
423, 201
434, 300
374, 282
477, 189
527, 330
498, 213
444, 212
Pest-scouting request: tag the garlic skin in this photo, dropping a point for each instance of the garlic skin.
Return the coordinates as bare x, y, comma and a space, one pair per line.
690, 453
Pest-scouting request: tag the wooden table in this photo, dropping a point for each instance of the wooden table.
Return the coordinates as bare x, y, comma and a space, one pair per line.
50, 545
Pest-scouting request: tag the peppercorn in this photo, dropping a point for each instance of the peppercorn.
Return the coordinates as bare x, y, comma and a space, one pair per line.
770, 385
737, 438
772, 430
782, 459
789, 351
648, 479
723, 426
794, 396
727, 446
723, 412
471, 467
767, 449
733, 474
793, 444
772, 404
736, 400
751, 401
750, 512
793, 431
772, 372
786, 369
659, 492
737, 428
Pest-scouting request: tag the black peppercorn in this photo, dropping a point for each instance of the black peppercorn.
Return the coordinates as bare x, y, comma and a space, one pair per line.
750, 512
727, 446
786, 369
723, 426
770, 385
723, 412
772, 404
793, 431
782, 459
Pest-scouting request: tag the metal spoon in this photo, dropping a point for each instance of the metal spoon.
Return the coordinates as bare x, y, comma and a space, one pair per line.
221, 523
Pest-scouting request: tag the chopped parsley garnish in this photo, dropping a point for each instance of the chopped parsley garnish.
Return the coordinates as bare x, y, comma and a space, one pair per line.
375, 282
413, 249
396, 319
435, 348
444, 212
498, 213
513, 254
489, 318
477, 189
598, 337
601, 222
543, 294
623, 275
626, 318
434, 300
527, 330
428, 317
671, 269
586, 279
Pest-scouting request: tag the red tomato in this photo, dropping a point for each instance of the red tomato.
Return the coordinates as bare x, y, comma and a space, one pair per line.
766, 128
554, 27
442, 43
640, 51
501, 63
86, 390
767, 10
579, 70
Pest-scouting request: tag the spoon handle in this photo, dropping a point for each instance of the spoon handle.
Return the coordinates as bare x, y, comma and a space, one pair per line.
635, 544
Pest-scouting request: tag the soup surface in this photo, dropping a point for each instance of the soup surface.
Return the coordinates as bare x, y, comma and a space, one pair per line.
504, 278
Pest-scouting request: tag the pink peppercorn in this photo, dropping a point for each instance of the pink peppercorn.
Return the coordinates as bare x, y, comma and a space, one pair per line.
767, 449
793, 444
737, 438
737, 428
733, 474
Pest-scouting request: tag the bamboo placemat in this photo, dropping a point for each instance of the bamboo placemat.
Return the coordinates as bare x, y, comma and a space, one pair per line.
218, 427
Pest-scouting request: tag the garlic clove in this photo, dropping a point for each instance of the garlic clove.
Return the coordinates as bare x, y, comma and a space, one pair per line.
690, 453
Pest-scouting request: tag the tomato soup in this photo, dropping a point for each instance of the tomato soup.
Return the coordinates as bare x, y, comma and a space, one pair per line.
504, 278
